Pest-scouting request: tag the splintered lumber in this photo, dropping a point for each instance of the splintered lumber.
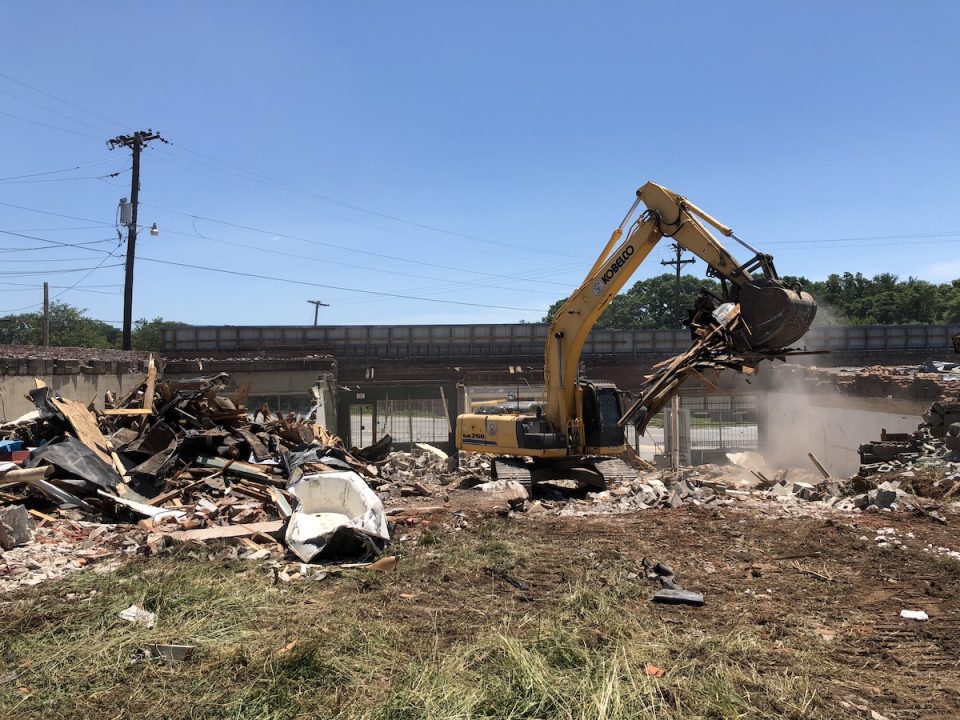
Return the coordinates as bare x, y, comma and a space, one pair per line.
127, 411
142, 508
228, 531
151, 385
42, 516
820, 467
240, 469
259, 450
85, 427
177, 492
239, 398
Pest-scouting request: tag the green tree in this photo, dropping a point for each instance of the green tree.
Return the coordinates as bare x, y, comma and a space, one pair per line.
950, 302
847, 298
69, 327
148, 334
648, 303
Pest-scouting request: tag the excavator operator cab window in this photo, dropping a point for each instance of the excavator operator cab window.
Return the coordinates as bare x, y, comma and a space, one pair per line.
601, 411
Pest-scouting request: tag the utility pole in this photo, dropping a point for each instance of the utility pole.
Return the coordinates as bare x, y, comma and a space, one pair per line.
316, 309
136, 143
679, 264
46, 314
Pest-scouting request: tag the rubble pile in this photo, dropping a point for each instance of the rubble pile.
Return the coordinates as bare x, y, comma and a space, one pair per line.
929, 381
427, 471
927, 459
54, 550
185, 461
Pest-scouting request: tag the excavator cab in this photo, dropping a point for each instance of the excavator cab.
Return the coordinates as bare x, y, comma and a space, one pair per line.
601, 413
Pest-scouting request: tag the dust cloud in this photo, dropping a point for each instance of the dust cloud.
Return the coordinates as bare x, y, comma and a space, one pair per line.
799, 418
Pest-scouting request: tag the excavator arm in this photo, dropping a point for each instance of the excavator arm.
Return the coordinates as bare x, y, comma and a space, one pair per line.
775, 314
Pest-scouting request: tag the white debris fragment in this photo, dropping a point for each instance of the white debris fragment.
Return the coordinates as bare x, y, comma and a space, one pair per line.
136, 614
914, 615
332, 503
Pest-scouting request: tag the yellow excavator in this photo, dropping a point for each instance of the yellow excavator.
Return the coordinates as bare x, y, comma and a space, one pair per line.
581, 424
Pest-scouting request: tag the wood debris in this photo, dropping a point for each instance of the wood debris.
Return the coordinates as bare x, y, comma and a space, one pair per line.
180, 457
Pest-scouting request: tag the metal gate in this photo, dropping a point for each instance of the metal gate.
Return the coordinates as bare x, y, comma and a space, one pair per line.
423, 413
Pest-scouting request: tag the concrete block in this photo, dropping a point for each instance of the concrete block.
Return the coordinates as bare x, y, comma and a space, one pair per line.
782, 489
882, 498
862, 501
806, 491
16, 527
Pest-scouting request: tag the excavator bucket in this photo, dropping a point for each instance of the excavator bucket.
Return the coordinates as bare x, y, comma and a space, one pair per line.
775, 314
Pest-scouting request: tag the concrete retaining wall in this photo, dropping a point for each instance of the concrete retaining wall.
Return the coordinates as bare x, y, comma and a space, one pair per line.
86, 374
506, 340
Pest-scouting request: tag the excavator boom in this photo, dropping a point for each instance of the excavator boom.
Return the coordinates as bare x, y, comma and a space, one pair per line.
775, 314
757, 317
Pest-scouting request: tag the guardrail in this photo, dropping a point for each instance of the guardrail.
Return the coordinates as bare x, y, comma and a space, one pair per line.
437, 341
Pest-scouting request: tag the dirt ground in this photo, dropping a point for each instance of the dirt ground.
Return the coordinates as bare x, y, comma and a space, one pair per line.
826, 583
813, 603
836, 584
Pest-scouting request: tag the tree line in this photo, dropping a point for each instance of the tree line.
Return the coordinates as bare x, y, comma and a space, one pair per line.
847, 299
71, 327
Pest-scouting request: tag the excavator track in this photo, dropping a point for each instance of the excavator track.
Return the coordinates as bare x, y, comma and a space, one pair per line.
513, 469
614, 470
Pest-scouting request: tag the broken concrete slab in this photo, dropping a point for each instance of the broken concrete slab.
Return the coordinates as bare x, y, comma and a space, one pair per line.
510, 491
882, 498
16, 527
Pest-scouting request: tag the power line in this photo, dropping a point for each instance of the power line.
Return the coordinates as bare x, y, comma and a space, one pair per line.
57, 172
81, 245
321, 243
51, 213
61, 271
327, 261
92, 270
52, 260
69, 179
31, 285
59, 99
65, 229
272, 234
329, 287
48, 125
76, 289
56, 243
325, 213
89, 272
51, 110
353, 206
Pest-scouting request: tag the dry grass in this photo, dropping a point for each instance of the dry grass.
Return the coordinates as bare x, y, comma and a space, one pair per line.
466, 646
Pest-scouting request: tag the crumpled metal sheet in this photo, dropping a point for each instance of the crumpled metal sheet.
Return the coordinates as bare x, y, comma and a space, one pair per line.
319, 454
43, 398
338, 515
75, 458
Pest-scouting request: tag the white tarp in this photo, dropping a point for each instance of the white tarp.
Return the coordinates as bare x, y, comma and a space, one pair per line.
329, 503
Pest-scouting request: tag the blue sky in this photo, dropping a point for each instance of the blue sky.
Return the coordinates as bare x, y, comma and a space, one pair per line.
473, 153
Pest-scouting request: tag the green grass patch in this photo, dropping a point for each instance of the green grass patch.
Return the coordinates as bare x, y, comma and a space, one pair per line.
440, 638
